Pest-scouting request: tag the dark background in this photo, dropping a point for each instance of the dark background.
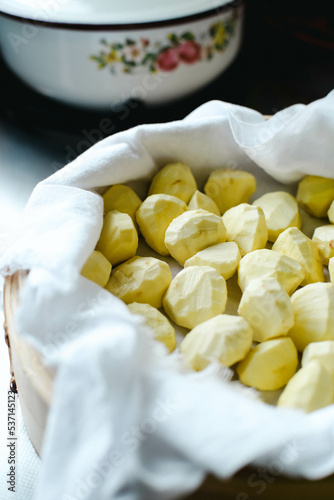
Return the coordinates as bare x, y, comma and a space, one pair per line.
287, 57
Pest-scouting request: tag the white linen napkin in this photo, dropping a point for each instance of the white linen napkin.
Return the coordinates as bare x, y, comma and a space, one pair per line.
128, 422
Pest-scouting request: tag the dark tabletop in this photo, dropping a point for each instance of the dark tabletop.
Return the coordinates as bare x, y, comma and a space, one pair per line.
287, 57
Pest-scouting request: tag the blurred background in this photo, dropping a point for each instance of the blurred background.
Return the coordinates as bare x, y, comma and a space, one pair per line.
286, 58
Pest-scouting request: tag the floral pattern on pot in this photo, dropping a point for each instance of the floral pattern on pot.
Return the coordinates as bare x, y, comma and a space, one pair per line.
186, 48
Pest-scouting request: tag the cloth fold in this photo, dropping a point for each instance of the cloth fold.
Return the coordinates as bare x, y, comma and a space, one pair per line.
127, 421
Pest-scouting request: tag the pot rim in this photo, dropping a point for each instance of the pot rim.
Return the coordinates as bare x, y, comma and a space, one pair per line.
83, 26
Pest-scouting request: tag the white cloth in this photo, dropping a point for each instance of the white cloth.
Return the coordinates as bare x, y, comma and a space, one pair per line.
127, 422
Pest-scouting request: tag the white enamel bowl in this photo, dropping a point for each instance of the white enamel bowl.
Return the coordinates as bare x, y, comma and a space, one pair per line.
100, 54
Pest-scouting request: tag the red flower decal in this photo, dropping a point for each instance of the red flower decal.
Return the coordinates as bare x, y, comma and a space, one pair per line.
168, 59
189, 52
